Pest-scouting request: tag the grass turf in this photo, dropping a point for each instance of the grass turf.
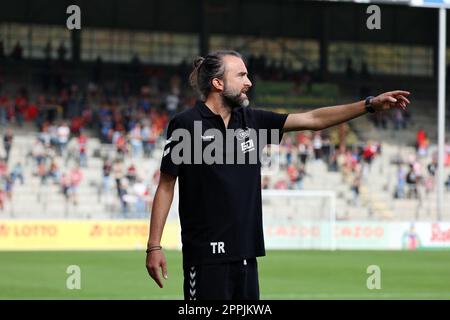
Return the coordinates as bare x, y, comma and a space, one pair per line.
282, 274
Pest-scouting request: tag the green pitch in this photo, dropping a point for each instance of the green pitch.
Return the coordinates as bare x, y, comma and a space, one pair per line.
283, 275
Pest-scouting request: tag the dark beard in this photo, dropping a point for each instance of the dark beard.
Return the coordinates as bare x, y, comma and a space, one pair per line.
233, 100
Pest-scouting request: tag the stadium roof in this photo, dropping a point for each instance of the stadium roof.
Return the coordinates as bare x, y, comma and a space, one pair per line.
269, 18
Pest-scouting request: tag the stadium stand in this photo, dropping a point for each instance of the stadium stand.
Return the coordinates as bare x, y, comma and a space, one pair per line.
113, 84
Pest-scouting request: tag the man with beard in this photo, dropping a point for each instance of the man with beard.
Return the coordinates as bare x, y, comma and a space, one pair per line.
220, 203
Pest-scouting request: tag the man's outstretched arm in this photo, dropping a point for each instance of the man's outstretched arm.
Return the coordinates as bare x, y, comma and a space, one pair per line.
160, 209
325, 117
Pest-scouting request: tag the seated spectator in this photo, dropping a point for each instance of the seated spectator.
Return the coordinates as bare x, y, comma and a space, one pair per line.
401, 182
7, 142
44, 136
140, 191
421, 142
38, 153
120, 142
17, 173
3, 169
106, 175
148, 140
293, 176
411, 181
131, 174
123, 195
82, 146
65, 186
4, 102
356, 185
136, 140
369, 152
8, 188
76, 125
76, 175
118, 174
42, 173
20, 105
432, 167
53, 172
63, 133
317, 145
32, 112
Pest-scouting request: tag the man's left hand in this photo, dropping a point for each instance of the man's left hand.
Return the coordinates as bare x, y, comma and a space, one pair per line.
390, 100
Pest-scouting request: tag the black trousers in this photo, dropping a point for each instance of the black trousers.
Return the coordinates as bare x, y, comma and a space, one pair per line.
237, 280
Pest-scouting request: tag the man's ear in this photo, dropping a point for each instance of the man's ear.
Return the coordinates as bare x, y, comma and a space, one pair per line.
217, 83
